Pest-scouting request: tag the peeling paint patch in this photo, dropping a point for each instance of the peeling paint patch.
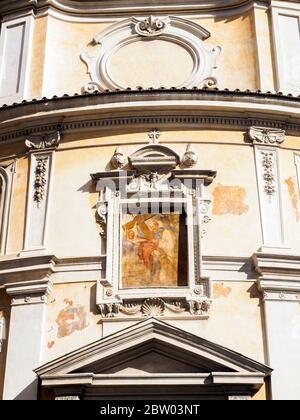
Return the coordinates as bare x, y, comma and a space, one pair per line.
220, 291
293, 196
50, 344
70, 319
229, 200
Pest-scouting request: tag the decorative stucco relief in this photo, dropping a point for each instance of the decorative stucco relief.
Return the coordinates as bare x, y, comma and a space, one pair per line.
40, 182
267, 160
266, 142
186, 35
43, 141
148, 214
265, 136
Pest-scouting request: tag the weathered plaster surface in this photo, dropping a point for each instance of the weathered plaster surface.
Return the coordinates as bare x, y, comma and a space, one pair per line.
72, 319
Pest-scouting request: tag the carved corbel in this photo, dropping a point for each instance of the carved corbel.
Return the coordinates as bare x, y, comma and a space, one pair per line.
102, 213
43, 141
266, 136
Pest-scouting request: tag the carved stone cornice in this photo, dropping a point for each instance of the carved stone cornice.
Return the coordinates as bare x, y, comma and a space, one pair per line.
24, 269
279, 276
155, 109
266, 136
27, 268
29, 292
39, 142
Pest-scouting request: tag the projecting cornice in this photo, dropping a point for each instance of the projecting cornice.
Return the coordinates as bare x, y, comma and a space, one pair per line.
121, 7
165, 108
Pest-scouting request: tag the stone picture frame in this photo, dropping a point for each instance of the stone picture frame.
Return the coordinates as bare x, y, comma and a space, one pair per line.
154, 175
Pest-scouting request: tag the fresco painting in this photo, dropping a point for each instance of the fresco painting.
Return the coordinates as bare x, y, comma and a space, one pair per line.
150, 248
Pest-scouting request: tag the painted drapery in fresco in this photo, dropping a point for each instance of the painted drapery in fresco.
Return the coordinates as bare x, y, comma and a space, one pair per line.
150, 250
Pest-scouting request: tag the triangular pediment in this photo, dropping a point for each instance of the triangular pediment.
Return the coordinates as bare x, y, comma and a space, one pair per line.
152, 347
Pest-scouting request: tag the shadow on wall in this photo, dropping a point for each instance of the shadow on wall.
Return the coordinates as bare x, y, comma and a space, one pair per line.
29, 392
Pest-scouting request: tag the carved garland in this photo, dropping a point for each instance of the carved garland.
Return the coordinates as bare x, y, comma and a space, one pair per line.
40, 181
268, 174
155, 307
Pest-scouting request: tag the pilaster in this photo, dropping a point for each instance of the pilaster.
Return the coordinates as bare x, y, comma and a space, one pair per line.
279, 283
266, 143
41, 150
28, 288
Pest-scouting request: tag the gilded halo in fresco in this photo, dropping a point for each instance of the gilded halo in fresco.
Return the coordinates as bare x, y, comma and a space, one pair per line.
150, 250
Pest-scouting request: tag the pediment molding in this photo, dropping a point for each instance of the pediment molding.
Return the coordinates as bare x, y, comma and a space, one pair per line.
96, 364
144, 332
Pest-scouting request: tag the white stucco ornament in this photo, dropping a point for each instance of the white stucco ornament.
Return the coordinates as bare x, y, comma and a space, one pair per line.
186, 35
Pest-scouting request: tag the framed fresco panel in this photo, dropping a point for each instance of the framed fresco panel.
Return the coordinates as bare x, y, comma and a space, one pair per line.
153, 250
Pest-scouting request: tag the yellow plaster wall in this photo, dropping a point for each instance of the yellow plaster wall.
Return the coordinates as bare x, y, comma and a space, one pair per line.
18, 208
237, 65
235, 319
72, 224
38, 57
64, 71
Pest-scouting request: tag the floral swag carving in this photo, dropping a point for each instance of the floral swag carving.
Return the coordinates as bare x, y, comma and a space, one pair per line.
155, 307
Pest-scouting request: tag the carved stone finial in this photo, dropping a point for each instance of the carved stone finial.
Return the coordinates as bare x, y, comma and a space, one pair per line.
118, 161
266, 136
190, 158
154, 136
43, 141
150, 26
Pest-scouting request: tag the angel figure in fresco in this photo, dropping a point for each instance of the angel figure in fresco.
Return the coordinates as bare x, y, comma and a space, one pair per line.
149, 232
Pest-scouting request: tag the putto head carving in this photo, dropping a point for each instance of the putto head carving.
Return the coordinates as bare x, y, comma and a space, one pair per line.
151, 26
119, 160
190, 158
266, 136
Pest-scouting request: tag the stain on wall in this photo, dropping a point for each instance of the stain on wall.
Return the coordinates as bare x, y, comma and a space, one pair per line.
70, 319
50, 344
293, 196
229, 200
220, 291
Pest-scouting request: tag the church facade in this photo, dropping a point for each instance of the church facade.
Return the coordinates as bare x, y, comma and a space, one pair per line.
149, 200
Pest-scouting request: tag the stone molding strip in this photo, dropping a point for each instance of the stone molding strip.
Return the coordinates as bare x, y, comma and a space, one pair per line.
112, 7
246, 110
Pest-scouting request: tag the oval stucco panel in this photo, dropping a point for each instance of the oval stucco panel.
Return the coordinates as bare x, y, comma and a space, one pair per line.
151, 63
